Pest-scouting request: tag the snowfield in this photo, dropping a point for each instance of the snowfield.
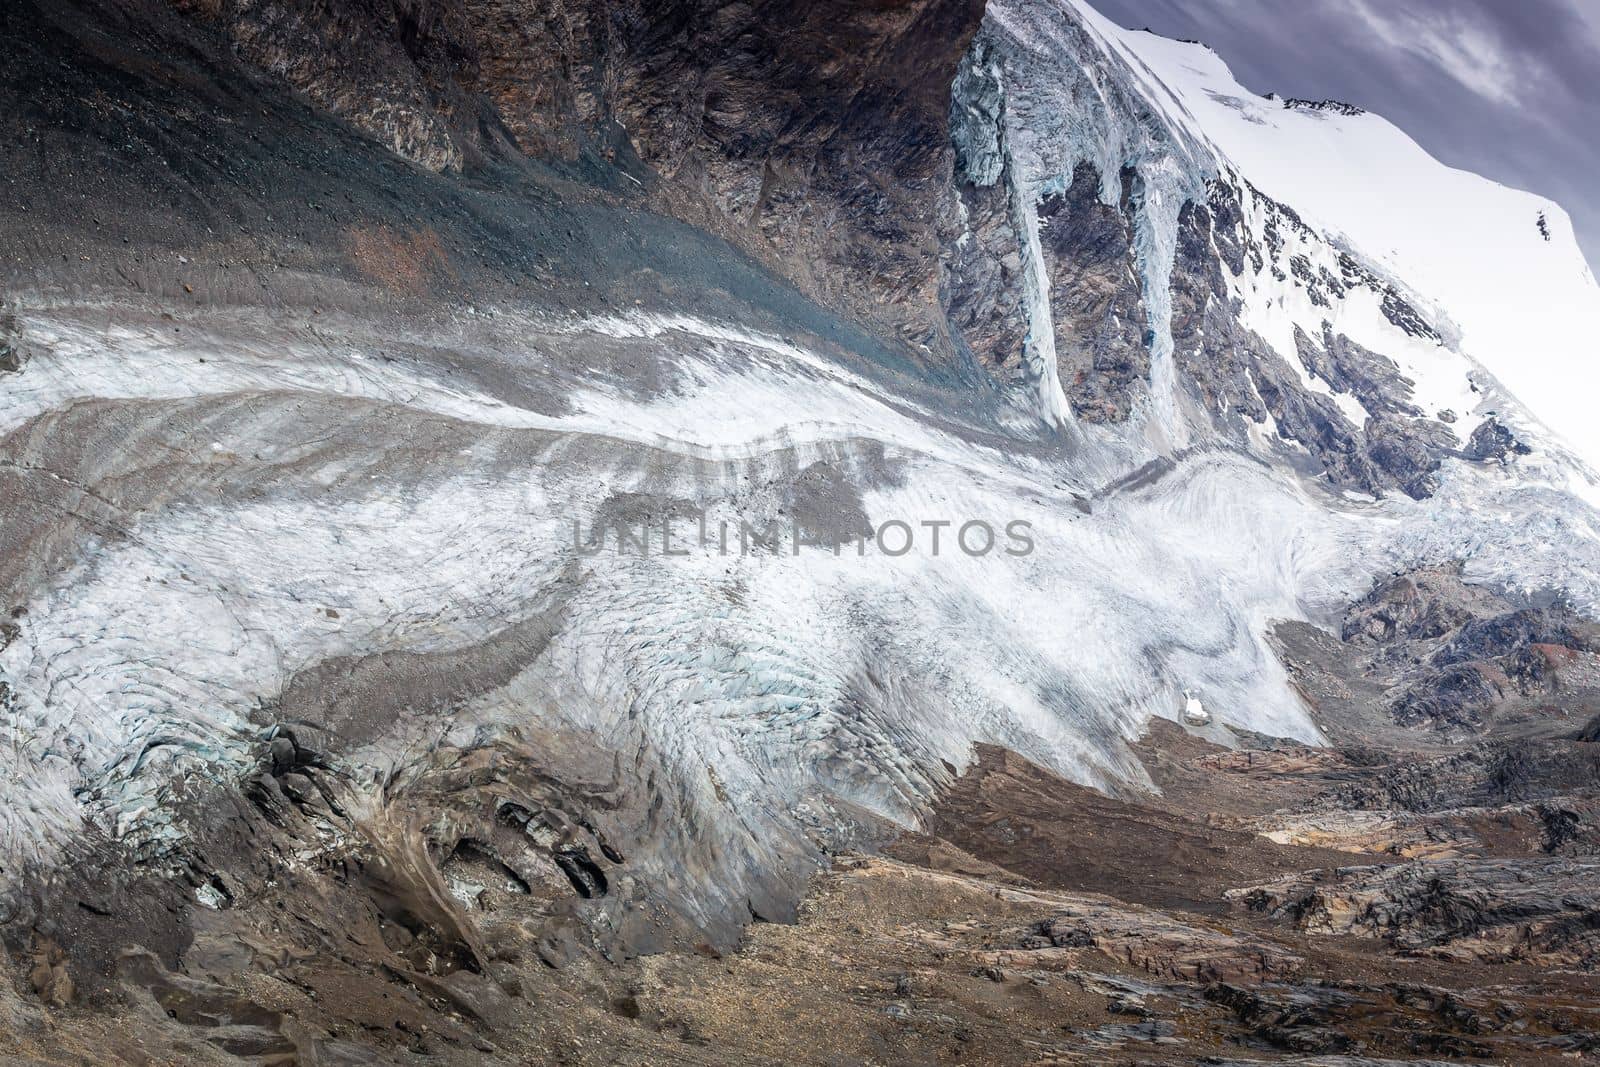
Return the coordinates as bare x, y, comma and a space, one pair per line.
1471, 250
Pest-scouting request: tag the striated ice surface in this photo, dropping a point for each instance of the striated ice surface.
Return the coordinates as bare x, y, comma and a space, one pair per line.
855, 673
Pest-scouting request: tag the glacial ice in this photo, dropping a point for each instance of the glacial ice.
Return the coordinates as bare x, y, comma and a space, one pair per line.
859, 675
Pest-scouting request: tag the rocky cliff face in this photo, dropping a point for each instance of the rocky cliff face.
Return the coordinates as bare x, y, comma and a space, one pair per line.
815, 137
1150, 284
386, 393
823, 144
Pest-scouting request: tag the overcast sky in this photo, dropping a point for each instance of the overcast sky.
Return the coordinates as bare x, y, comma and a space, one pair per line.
1507, 88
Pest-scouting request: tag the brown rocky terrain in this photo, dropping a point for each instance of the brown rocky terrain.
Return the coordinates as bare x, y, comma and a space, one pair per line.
1032, 921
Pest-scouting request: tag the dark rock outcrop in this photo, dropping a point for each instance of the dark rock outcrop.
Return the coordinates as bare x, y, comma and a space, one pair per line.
1102, 340
383, 868
815, 137
1539, 911
1239, 377
1449, 653
821, 141
12, 355
1493, 441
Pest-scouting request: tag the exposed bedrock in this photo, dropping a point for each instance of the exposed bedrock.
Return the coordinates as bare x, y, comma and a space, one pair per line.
1238, 375
814, 136
1428, 648
1497, 939
1493, 441
1109, 270
1102, 340
844, 176
1492, 910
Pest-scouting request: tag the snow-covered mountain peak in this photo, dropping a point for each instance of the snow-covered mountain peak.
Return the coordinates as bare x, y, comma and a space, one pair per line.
1501, 264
